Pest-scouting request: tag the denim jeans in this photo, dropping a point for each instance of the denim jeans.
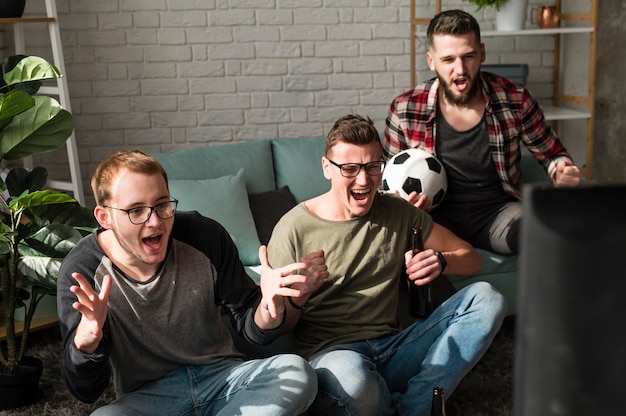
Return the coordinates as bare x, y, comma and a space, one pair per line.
280, 385
395, 375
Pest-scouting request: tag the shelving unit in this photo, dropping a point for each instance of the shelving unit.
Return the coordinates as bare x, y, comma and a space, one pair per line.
566, 106
40, 323
61, 90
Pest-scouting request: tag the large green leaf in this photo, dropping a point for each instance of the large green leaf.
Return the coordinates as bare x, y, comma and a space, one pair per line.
31, 68
39, 198
13, 103
42, 253
79, 217
9, 63
43, 128
19, 180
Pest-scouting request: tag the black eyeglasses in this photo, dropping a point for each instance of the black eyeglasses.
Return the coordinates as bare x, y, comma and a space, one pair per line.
351, 170
139, 215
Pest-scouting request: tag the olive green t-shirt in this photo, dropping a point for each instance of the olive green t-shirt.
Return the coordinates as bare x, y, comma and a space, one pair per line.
365, 258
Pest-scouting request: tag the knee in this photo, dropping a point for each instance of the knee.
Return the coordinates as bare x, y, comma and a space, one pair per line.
298, 369
347, 380
488, 301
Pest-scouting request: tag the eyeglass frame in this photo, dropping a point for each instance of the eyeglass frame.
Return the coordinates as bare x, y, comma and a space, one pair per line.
360, 165
152, 209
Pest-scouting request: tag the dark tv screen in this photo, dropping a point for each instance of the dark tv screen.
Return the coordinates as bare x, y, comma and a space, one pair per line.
570, 356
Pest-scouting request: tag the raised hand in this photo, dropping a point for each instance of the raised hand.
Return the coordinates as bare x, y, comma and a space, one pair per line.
93, 307
276, 284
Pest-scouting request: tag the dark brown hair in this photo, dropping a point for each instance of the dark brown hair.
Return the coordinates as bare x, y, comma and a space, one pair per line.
452, 22
352, 129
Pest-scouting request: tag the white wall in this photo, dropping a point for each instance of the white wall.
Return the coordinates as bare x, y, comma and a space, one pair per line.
161, 75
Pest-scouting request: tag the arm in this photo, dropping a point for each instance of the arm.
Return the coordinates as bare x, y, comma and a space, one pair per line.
462, 259
546, 146
256, 312
85, 373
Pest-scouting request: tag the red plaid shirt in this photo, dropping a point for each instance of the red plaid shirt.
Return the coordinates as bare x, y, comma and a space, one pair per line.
513, 117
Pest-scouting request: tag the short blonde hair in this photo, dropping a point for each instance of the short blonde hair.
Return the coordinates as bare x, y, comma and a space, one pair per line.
133, 160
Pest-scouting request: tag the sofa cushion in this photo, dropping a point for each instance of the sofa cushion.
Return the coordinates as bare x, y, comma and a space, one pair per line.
225, 200
209, 162
298, 164
267, 208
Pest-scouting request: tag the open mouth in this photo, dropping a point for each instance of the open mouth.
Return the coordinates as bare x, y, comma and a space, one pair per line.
153, 242
461, 83
360, 194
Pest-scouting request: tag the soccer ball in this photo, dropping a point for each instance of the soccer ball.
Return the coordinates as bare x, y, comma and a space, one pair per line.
416, 170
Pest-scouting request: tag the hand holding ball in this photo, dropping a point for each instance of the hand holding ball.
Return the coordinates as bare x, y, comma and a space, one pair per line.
416, 170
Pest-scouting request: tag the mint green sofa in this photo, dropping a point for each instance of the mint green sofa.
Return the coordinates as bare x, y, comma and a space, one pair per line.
218, 180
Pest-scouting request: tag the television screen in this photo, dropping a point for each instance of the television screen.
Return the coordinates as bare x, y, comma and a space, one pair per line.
570, 354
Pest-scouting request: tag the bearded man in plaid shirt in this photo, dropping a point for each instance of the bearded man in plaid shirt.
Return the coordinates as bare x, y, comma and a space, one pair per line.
474, 122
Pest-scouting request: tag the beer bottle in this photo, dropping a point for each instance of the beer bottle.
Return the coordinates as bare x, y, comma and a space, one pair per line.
439, 406
420, 297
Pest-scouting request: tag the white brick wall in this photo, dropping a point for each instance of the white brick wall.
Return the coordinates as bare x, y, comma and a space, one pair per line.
161, 75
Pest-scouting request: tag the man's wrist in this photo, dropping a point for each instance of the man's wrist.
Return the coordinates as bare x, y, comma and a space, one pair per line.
295, 305
442, 261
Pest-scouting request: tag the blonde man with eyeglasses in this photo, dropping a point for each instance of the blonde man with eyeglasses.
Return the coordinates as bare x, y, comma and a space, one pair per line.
141, 300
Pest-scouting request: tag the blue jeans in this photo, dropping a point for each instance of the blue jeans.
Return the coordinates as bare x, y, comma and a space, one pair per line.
280, 385
395, 375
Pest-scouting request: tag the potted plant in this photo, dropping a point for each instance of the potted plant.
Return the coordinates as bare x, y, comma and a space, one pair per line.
510, 14
38, 226
485, 3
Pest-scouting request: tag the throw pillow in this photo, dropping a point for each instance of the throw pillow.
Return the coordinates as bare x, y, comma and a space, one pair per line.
267, 208
225, 200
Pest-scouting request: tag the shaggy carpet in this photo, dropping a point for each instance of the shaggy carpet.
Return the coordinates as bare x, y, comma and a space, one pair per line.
486, 391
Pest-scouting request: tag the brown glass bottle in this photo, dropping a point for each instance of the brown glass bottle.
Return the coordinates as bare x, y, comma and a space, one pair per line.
420, 297
439, 406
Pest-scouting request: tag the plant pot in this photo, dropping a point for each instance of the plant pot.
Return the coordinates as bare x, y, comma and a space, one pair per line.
21, 389
12, 8
512, 15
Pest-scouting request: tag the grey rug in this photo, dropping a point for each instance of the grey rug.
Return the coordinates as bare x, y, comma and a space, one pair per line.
485, 391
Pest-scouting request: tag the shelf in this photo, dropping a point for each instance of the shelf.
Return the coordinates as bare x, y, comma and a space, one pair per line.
559, 113
569, 67
13, 20
75, 184
528, 32
534, 32
36, 324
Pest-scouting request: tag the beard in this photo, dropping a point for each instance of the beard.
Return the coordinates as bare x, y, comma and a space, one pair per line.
464, 97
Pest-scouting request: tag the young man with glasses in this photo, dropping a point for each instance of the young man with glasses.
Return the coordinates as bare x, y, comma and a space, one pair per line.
346, 323
141, 299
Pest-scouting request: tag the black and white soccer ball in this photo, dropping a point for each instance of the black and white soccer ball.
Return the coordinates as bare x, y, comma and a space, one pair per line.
416, 170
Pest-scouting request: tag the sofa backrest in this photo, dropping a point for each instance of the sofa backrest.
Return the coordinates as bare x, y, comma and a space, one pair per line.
210, 162
298, 164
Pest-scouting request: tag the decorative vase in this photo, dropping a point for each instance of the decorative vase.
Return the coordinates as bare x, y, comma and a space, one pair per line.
21, 389
511, 15
12, 8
